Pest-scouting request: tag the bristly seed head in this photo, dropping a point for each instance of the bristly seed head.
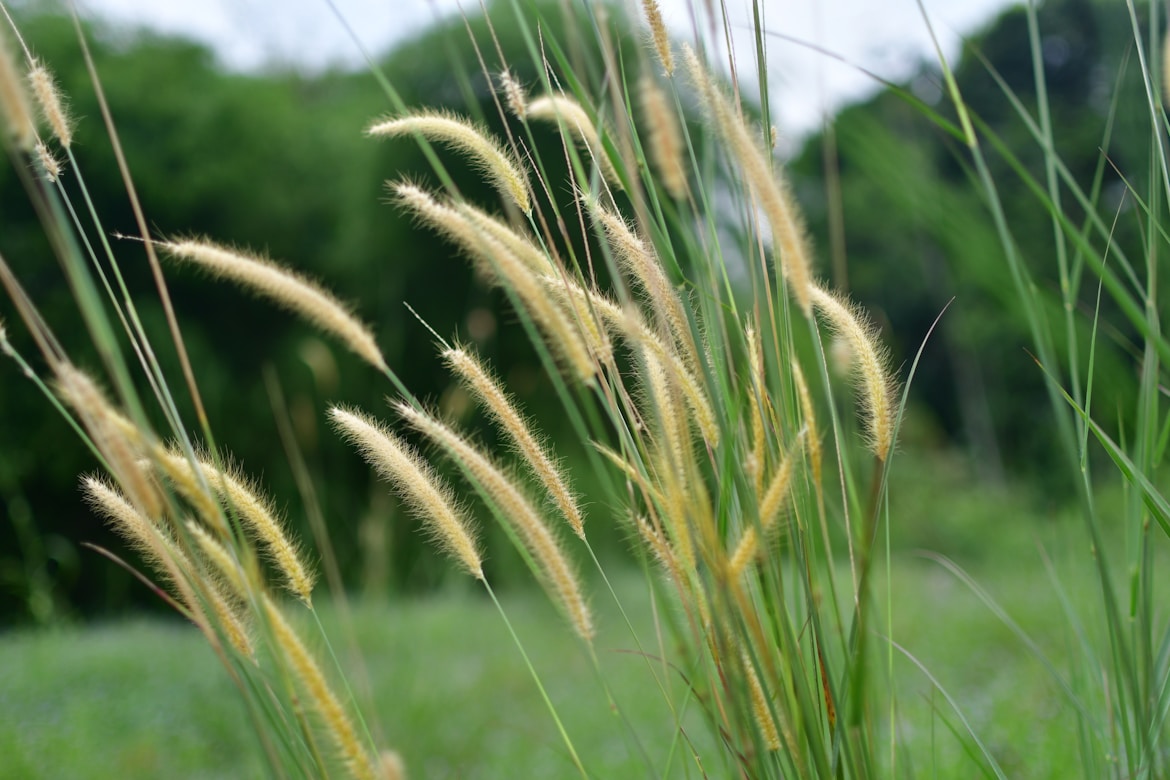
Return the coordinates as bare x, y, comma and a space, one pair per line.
460, 134
51, 103
875, 386
421, 489
284, 288
514, 94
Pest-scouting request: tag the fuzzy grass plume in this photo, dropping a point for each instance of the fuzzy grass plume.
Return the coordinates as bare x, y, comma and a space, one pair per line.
284, 288
458, 133
516, 509
413, 479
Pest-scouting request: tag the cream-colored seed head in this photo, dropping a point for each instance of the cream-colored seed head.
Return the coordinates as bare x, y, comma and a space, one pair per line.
479, 381
876, 388
505, 262
51, 103
392, 765
284, 288
514, 94
658, 33
259, 517
764, 720
50, 165
663, 139
320, 695
576, 121
515, 509
426, 495
161, 552
458, 133
645, 272
115, 437
766, 182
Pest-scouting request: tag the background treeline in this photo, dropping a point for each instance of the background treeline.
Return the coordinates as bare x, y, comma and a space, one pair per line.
276, 161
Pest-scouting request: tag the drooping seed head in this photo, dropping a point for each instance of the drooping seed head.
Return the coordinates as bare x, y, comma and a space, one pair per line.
460, 134
869, 359
574, 120
51, 103
284, 288
422, 490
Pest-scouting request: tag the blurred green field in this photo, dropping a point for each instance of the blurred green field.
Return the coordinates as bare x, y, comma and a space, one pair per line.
146, 698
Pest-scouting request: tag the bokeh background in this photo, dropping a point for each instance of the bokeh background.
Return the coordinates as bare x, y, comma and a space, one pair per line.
263, 149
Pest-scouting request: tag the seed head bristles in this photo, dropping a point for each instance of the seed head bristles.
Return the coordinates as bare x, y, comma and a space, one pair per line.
503, 267
656, 543
15, 106
159, 550
528, 253
174, 465
645, 272
462, 135
631, 472
224, 563
514, 508
631, 325
766, 182
812, 441
114, 436
52, 106
391, 765
480, 383
760, 709
757, 397
514, 94
769, 506
261, 519
49, 162
421, 489
875, 387
573, 119
358, 761
658, 32
663, 139
663, 404
284, 288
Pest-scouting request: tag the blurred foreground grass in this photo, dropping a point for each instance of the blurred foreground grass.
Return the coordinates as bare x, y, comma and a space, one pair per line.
146, 698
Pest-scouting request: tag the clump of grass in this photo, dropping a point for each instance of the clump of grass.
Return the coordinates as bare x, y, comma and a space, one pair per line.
686, 389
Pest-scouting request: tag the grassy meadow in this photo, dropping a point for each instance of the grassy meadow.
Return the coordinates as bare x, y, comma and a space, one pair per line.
147, 698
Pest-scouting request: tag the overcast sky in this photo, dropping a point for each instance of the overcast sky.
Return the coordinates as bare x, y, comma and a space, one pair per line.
884, 36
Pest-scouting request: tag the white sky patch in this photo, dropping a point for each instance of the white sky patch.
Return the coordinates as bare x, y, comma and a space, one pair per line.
887, 37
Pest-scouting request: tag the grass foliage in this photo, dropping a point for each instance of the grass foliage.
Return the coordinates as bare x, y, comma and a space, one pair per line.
739, 412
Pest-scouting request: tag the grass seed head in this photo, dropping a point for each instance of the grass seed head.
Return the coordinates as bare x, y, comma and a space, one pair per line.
869, 358
51, 103
460, 134
284, 288
573, 119
422, 490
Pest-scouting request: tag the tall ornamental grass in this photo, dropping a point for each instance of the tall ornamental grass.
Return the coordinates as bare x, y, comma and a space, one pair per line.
740, 413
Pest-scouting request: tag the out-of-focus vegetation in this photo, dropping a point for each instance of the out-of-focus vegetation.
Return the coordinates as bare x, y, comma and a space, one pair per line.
277, 160
916, 229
